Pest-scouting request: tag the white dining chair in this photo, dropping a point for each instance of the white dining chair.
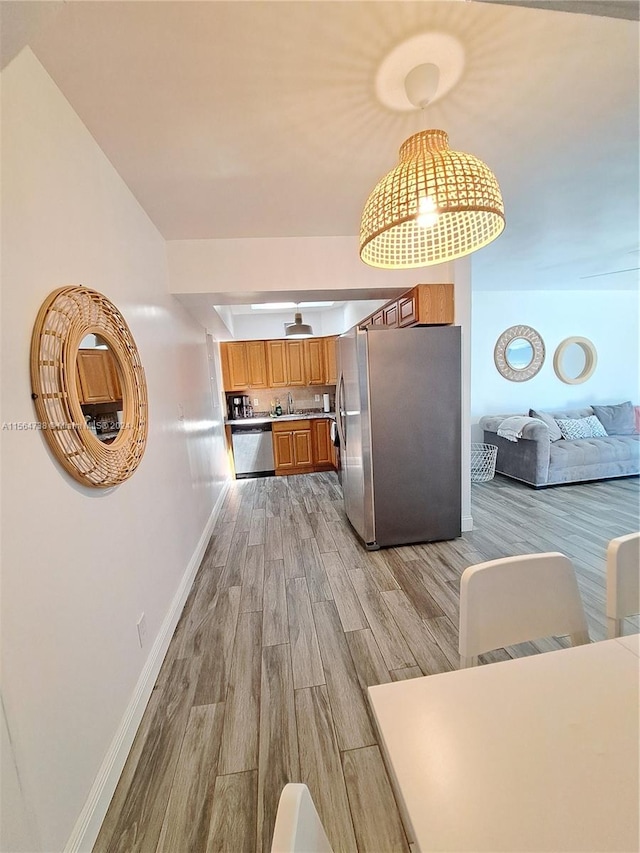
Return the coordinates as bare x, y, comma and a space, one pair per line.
298, 828
623, 581
514, 599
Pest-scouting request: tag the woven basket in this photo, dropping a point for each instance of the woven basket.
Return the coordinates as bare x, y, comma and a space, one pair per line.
483, 462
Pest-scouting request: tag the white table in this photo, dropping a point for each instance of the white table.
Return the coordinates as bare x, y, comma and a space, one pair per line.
535, 754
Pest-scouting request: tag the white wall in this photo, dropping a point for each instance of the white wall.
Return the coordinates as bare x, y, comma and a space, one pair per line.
80, 565
277, 264
610, 319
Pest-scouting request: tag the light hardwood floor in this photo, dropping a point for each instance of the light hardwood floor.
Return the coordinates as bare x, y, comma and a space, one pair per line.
289, 620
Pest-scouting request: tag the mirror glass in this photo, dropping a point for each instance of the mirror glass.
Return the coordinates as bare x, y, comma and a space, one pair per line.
574, 360
519, 353
99, 383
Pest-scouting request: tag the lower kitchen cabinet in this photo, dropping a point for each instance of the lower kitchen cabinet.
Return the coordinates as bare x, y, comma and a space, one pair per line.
301, 447
292, 447
322, 446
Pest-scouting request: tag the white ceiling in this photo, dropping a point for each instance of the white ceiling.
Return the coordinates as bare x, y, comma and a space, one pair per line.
259, 119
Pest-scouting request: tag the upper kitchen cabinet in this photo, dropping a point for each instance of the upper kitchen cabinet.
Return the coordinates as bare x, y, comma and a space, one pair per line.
97, 377
295, 363
314, 352
285, 364
278, 363
277, 373
330, 363
257, 363
424, 305
244, 365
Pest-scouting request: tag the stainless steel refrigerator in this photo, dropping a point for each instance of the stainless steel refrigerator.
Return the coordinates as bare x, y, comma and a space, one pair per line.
398, 415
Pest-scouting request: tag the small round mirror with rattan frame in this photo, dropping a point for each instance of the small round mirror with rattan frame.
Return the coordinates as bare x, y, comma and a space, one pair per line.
517, 370
590, 360
66, 317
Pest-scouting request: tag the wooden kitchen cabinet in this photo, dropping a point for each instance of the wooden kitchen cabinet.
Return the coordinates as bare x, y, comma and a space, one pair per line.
408, 310
314, 352
278, 363
277, 373
295, 363
257, 364
285, 364
292, 447
424, 305
322, 446
330, 360
235, 367
97, 377
244, 365
390, 314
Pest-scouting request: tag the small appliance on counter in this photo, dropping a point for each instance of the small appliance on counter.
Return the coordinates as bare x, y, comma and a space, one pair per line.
239, 406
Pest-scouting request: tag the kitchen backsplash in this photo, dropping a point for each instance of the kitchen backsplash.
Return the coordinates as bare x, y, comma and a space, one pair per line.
303, 398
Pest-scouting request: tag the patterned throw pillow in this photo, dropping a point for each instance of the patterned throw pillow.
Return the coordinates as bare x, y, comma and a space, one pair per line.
581, 427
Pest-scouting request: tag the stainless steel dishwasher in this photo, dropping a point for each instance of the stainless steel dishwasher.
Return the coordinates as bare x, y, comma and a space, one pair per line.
252, 450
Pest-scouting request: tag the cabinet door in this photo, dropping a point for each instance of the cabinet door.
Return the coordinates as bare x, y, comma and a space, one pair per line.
314, 349
235, 367
283, 450
378, 319
257, 362
321, 442
97, 377
391, 315
330, 366
277, 364
407, 310
302, 448
295, 363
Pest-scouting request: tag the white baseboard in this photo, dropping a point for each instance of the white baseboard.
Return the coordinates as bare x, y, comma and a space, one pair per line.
95, 808
467, 523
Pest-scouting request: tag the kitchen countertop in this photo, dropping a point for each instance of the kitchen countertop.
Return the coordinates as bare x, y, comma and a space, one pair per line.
300, 416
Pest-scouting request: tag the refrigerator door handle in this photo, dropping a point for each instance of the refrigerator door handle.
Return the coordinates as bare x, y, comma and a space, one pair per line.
342, 414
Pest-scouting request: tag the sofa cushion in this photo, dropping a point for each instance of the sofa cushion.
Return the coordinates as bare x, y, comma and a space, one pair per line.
636, 409
550, 421
589, 427
618, 419
594, 458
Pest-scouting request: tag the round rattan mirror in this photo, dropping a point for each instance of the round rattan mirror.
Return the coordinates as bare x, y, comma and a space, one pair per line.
575, 360
519, 353
62, 386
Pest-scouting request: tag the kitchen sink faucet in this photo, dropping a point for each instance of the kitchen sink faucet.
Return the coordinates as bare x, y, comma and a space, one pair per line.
290, 407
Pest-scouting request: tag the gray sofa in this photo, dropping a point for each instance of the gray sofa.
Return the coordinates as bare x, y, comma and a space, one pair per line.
538, 461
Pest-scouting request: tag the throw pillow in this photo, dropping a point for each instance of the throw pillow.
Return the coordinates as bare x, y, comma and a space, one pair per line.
581, 428
618, 419
550, 421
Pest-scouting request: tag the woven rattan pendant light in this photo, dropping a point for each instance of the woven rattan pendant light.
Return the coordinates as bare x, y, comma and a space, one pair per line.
435, 206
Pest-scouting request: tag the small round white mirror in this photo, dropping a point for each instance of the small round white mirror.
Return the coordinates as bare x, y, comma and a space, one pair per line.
575, 360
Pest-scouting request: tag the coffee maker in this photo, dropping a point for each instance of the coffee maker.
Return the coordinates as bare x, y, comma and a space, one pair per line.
239, 407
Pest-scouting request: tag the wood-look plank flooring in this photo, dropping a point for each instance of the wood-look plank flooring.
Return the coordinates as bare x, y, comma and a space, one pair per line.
288, 622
